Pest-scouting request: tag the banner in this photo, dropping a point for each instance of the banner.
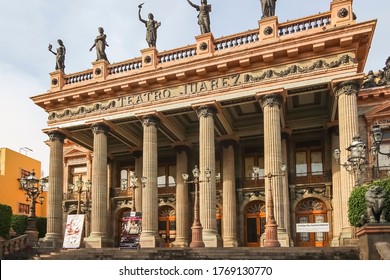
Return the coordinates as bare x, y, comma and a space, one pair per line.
73, 231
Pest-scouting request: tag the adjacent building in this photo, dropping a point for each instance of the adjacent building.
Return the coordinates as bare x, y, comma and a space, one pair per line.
240, 107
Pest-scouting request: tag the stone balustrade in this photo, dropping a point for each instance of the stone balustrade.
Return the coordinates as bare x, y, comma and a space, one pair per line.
8, 247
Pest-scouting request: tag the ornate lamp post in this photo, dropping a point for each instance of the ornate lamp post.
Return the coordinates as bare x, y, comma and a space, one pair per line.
133, 186
197, 229
377, 137
271, 228
356, 160
33, 187
78, 187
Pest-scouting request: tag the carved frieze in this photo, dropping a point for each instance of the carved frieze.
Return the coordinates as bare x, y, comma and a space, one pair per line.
204, 87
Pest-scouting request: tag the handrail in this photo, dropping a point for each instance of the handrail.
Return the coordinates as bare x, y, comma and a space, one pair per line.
8, 247
238, 39
304, 24
177, 54
125, 66
78, 77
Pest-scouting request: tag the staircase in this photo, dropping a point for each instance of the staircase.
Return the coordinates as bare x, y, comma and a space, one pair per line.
239, 253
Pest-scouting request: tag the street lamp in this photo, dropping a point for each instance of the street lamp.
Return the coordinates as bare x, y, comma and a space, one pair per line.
78, 188
377, 136
133, 186
356, 160
33, 187
197, 229
271, 228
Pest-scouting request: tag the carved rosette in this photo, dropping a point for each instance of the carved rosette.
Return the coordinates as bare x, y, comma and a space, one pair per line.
206, 111
271, 100
100, 128
347, 88
56, 136
150, 120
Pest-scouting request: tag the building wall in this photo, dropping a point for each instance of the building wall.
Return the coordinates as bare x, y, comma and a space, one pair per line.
11, 165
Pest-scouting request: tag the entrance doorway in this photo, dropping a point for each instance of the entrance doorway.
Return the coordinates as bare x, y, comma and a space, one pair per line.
167, 224
255, 218
311, 210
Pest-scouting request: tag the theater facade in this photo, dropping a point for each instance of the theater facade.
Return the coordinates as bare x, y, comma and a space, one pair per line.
239, 107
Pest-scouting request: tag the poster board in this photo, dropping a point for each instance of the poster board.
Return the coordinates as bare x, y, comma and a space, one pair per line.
131, 225
313, 227
73, 231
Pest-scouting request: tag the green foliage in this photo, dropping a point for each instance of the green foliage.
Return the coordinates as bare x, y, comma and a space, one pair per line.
5, 220
357, 202
19, 224
41, 226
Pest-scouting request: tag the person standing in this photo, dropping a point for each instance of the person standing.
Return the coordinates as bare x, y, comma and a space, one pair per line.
204, 15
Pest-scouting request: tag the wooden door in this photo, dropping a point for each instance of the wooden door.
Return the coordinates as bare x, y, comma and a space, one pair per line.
254, 223
167, 225
311, 210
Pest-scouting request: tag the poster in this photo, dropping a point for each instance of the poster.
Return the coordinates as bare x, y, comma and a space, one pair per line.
131, 228
73, 231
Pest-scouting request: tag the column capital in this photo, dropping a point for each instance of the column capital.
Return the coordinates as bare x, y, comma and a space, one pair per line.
181, 147
271, 100
149, 120
56, 135
228, 140
206, 111
100, 128
138, 153
347, 87
286, 133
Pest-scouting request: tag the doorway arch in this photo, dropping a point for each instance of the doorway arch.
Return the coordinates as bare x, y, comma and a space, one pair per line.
254, 222
311, 210
167, 224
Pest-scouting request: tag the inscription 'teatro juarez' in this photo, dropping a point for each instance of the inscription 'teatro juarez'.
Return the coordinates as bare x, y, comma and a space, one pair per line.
187, 89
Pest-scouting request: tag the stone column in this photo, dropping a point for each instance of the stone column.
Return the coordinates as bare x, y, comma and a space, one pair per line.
99, 211
139, 174
336, 197
271, 104
149, 236
286, 196
346, 92
207, 192
182, 204
229, 194
54, 232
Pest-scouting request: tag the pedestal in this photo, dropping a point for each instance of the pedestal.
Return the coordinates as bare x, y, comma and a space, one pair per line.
370, 234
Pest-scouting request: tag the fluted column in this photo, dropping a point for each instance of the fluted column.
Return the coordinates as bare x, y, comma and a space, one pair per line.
286, 196
207, 193
99, 210
54, 232
229, 194
347, 92
270, 104
138, 172
149, 236
182, 204
336, 195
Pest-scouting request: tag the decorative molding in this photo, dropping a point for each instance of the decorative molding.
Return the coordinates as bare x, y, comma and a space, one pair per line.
271, 100
56, 135
150, 120
206, 111
347, 88
100, 128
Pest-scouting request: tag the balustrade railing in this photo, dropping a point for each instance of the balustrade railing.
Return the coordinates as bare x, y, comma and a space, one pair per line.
125, 66
178, 54
310, 177
78, 77
235, 40
308, 23
8, 247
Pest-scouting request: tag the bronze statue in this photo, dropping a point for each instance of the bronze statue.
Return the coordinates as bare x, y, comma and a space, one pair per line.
204, 15
268, 8
100, 44
375, 204
151, 27
60, 55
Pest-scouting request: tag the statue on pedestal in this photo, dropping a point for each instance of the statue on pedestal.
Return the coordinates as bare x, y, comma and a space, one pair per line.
268, 8
375, 203
60, 55
151, 27
100, 45
204, 15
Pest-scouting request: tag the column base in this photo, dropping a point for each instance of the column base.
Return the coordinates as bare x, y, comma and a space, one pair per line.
51, 240
212, 239
284, 238
98, 242
347, 238
150, 240
335, 242
230, 241
180, 243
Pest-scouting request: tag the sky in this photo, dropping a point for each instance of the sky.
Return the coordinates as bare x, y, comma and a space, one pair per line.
29, 26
